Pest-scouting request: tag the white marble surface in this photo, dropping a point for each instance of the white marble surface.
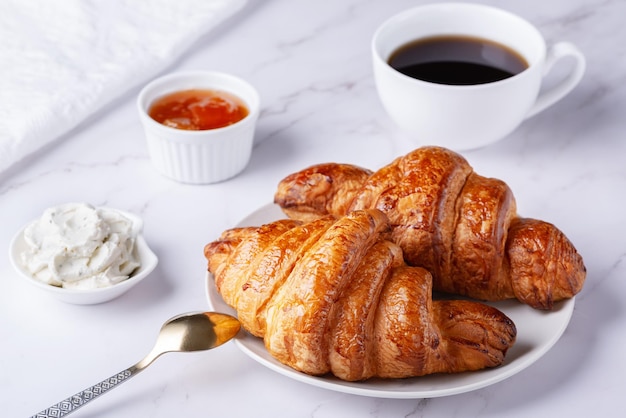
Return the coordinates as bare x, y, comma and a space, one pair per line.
311, 64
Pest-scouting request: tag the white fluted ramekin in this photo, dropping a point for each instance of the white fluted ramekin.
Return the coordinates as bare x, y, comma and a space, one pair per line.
199, 157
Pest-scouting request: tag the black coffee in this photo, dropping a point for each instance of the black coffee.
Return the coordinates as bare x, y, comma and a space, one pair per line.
457, 60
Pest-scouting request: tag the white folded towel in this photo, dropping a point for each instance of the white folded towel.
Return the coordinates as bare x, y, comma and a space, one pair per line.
61, 61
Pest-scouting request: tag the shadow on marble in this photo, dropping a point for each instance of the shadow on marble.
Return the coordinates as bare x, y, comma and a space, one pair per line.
148, 293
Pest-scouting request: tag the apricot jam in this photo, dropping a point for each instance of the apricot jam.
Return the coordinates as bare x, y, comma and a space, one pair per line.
197, 110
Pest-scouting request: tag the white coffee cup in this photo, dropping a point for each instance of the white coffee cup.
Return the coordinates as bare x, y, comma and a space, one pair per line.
462, 117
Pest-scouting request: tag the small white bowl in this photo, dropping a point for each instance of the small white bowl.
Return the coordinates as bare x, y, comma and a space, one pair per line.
206, 156
90, 296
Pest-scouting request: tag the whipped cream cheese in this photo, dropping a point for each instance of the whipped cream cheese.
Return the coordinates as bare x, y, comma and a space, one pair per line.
78, 246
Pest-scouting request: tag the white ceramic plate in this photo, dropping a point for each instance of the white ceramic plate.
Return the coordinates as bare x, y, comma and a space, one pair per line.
537, 332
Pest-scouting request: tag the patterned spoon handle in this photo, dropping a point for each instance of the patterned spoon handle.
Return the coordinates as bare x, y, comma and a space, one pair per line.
72, 403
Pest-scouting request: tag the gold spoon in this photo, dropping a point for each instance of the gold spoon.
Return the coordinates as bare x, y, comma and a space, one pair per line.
187, 332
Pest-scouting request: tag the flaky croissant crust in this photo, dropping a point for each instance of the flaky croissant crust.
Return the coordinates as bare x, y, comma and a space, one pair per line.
460, 226
336, 296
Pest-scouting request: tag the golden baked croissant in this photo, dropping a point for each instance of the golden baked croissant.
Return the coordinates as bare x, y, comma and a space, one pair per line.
460, 226
335, 296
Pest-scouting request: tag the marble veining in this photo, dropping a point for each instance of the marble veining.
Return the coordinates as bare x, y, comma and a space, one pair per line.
311, 64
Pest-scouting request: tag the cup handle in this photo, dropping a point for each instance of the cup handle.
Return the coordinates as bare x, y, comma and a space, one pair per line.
556, 93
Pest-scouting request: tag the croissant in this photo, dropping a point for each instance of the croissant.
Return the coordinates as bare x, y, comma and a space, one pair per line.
458, 225
335, 296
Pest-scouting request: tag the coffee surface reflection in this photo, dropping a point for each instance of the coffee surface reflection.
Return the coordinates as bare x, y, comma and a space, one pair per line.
457, 60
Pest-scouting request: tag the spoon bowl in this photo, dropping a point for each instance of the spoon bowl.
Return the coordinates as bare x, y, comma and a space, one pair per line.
192, 332
196, 331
